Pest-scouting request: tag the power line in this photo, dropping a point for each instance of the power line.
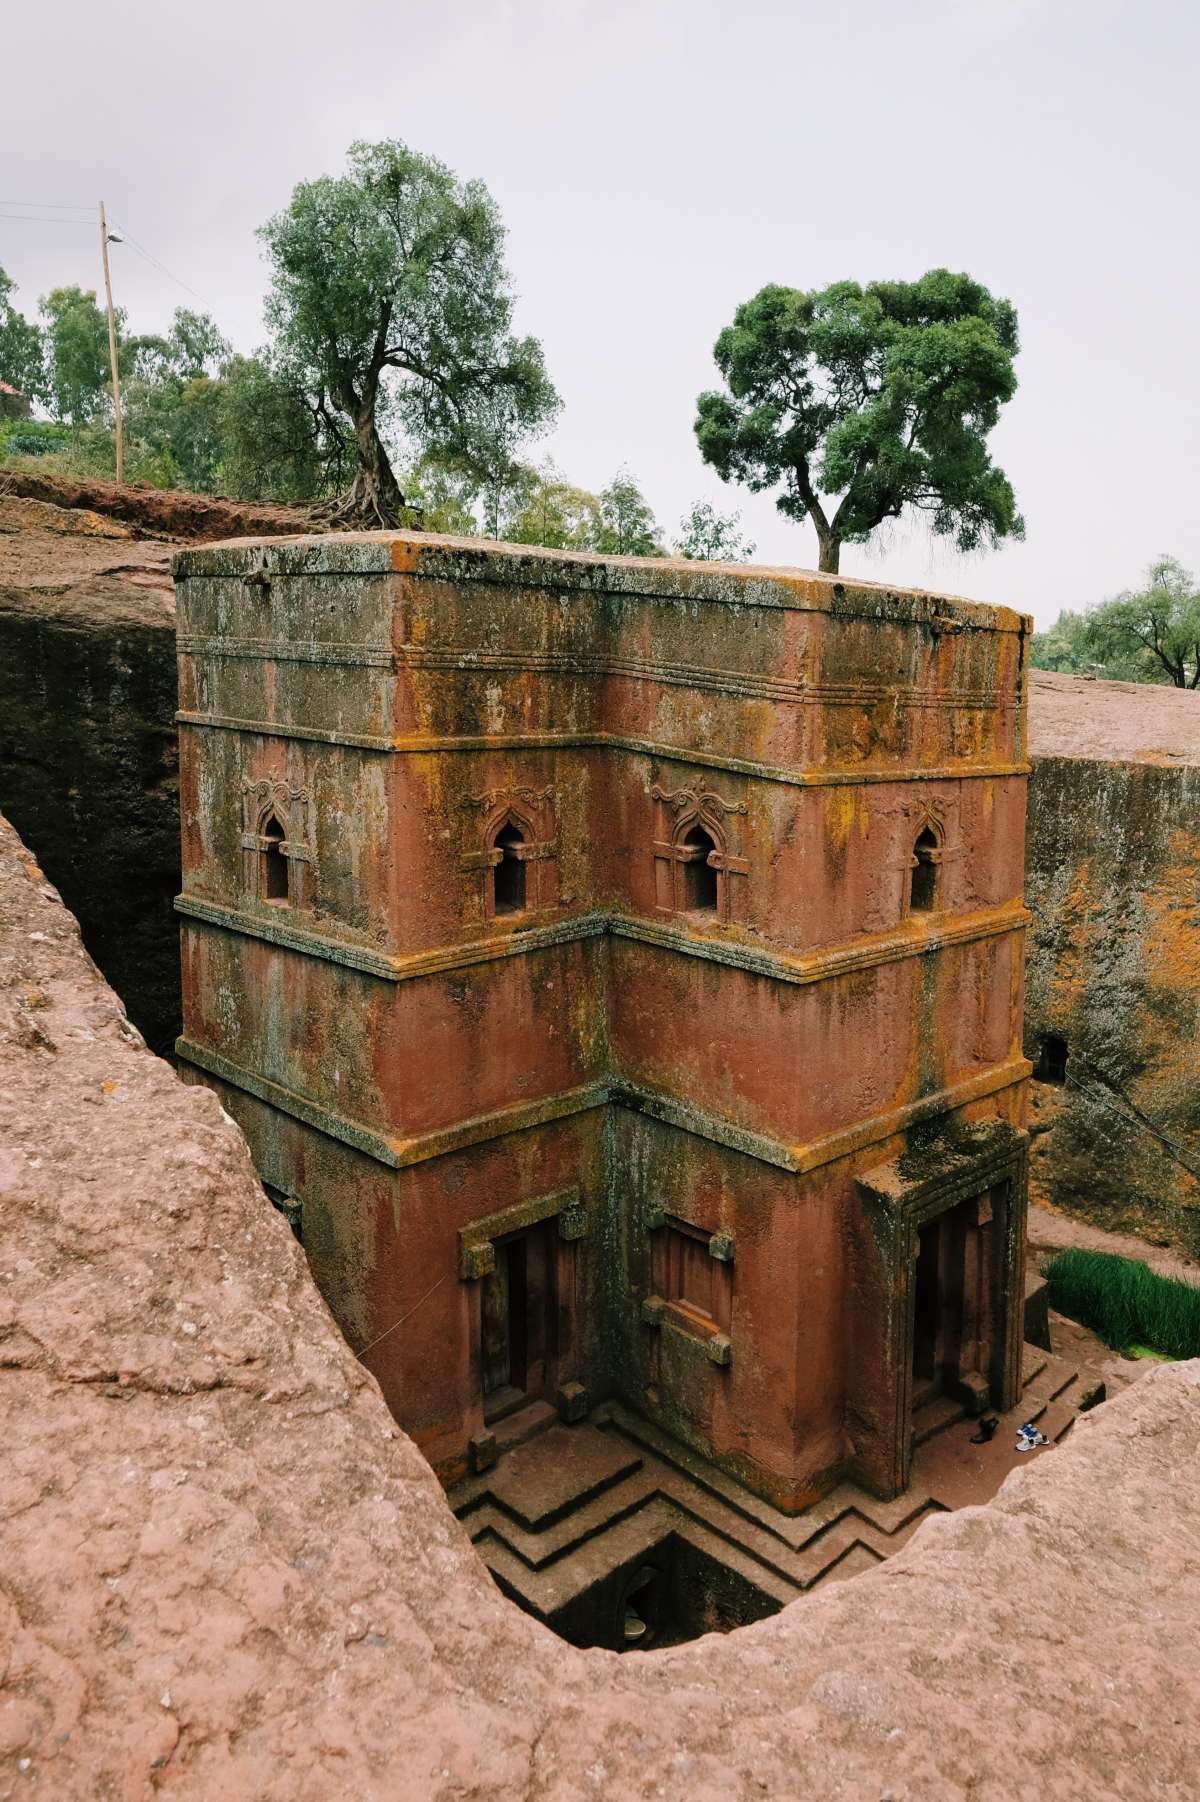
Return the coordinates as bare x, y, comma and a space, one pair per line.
38, 219
47, 206
178, 280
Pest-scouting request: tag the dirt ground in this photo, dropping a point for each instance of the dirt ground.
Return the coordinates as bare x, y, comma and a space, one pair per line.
156, 512
1050, 1232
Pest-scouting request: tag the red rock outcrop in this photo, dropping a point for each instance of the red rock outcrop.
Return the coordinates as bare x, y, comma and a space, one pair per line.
1112, 1001
224, 1572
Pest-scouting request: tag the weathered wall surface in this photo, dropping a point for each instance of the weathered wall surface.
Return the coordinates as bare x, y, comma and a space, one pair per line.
88, 755
88, 746
225, 1572
1113, 853
387, 705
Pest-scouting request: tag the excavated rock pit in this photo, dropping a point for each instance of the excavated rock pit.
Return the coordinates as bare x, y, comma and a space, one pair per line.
225, 1572
88, 752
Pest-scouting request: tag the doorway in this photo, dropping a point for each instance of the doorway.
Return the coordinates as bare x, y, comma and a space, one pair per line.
927, 1367
515, 1342
955, 1305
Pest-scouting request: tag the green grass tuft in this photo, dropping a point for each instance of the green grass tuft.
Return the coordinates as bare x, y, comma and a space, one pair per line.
1126, 1302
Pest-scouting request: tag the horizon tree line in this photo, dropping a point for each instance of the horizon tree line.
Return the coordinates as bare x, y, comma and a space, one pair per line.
395, 390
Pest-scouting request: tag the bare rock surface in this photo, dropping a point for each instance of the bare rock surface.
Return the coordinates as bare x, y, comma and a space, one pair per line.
155, 512
224, 1572
1112, 722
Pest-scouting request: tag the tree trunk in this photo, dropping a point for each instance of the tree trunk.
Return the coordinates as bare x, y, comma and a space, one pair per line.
374, 499
831, 552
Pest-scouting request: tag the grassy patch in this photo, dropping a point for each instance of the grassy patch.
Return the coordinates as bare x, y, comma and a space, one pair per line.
1126, 1302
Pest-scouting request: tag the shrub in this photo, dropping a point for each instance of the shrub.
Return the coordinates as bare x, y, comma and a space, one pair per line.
1126, 1302
32, 438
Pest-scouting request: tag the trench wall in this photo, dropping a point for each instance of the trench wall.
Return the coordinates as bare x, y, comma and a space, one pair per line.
1113, 969
89, 775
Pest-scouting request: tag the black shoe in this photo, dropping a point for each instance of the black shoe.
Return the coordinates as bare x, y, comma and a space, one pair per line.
987, 1427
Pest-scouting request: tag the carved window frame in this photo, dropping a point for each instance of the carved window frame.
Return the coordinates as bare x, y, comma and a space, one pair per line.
532, 812
663, 1308
924, 817
268, 798
678, 812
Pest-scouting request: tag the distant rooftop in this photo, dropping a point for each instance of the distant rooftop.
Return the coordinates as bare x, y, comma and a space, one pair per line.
1112, 722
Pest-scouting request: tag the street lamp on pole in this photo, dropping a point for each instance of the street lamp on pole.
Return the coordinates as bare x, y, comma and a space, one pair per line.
107, 238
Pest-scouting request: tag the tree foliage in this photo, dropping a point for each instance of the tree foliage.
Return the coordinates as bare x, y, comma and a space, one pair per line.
626, 526
712, 537
390, 296
278, 442
551, 511
882, 396
1156, 628
77, 373
20, 346
1151, 634
173, 398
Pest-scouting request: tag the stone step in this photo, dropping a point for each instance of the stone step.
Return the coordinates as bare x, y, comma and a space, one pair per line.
516, 1429
566, 1539
935, 1415
1057, 1421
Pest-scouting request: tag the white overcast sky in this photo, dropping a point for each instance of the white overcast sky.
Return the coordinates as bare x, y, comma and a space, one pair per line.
655, 164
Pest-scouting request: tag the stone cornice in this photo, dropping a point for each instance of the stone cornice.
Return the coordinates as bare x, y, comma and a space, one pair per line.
916, 939
587, 741
472, 660
398, 1152
432, 557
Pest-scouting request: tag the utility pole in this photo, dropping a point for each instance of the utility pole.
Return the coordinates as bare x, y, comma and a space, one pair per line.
112, 347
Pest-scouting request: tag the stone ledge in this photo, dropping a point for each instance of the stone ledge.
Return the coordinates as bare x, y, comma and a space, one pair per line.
225, 1572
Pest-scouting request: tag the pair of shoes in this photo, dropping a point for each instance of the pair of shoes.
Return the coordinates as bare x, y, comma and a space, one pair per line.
987, 1427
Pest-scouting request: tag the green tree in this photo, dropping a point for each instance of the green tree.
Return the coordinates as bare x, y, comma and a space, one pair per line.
279, 442
389, 292
1061, 646
173, 400
20, 346
881, 395
712, 537
626, 526
553, 512
1155, 631
77, 361
441, 499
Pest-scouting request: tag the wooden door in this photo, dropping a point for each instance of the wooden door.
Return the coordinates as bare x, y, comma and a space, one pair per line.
515, 1339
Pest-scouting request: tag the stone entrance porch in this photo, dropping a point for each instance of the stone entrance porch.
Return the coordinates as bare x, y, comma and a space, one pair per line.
942, 1266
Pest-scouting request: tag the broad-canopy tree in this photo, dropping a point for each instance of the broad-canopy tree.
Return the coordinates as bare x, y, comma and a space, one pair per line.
20, 346
1156, 629
863, 402
390, 292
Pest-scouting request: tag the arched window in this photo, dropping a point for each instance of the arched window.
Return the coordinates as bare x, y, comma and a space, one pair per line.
508, 874
1052, 1059
699, 876
276, 870
926, 857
